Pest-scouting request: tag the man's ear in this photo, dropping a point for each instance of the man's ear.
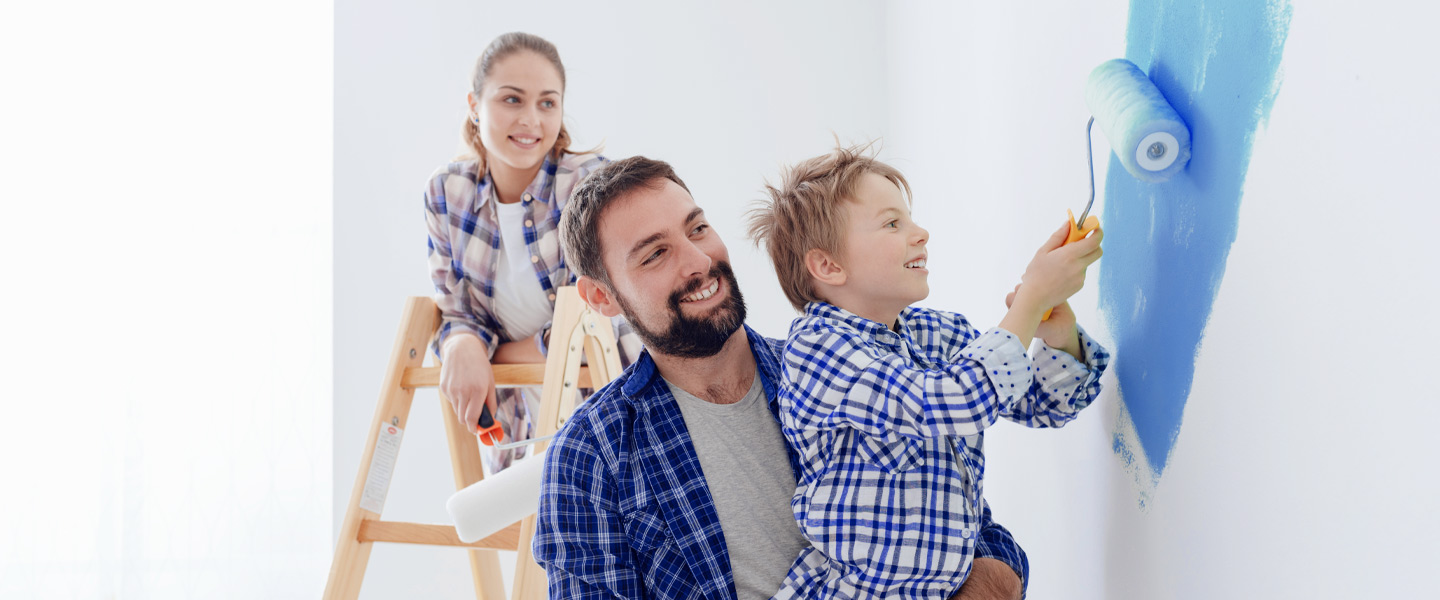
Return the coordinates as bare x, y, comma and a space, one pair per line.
598, 296
824, 268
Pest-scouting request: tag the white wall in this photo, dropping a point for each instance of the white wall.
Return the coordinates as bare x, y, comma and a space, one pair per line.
1299, 470
165, 246
723, 92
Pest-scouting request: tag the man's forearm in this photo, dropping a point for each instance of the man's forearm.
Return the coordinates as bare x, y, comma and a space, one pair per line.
990, 579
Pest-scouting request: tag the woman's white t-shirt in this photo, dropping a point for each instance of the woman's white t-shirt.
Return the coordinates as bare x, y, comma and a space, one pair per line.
520, 303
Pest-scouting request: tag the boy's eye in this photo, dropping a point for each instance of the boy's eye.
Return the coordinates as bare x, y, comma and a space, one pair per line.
894, 224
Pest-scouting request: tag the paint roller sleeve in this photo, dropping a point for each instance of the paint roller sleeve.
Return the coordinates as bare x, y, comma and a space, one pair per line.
497, 501
1149, 137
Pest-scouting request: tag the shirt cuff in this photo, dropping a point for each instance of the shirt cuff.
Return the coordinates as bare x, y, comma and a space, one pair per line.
1005, 362
449, 328
1057, 366
1066, 381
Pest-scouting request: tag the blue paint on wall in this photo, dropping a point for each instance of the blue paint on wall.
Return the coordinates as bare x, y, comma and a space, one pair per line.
1166, 244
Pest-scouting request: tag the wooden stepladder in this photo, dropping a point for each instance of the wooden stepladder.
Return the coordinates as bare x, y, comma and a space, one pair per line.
575, 330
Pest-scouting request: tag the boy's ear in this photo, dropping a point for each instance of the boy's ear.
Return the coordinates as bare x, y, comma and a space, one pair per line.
824, 268
598, 296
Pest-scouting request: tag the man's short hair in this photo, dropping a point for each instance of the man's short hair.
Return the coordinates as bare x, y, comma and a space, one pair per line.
580, 223
805, 213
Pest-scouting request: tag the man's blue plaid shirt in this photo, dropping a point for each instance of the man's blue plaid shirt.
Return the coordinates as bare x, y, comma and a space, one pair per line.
624, 508
888, 426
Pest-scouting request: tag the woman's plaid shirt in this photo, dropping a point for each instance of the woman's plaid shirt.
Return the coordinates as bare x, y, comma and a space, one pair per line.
464, 250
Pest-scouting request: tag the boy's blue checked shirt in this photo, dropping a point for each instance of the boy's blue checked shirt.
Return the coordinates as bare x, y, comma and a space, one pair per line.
888, 427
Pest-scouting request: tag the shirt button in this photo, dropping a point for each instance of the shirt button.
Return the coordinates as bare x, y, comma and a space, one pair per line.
534, 259
529, 223
552, 297
527, 197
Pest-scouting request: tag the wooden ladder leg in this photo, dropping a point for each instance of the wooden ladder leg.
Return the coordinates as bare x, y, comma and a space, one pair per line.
465, 461
347, 571
562, 359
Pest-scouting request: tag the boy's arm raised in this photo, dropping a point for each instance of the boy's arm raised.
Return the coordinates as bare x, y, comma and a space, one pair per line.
1055, 273
839, 380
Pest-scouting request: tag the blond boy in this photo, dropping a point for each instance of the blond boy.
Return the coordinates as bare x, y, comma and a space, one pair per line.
886, 403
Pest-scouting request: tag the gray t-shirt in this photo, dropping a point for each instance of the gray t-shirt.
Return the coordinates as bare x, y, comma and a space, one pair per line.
747, 469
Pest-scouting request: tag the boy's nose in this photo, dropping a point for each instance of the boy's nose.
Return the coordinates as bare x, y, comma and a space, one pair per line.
922, 235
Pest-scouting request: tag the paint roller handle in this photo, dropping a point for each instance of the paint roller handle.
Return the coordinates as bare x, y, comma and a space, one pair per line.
1077, 233
490, 432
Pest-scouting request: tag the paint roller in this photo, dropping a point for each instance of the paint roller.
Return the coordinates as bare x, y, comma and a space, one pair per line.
498, 501
1147, 135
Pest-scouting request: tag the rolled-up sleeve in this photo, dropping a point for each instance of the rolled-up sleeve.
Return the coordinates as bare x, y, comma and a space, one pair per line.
452, 295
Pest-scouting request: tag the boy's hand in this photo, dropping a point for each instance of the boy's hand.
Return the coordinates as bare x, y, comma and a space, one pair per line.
1055, 274
1059, 330
1058, 270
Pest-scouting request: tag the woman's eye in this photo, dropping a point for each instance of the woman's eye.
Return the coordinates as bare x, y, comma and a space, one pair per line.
548, 103
512, 100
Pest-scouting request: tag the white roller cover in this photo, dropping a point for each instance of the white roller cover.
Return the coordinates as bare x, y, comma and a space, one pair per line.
498, 501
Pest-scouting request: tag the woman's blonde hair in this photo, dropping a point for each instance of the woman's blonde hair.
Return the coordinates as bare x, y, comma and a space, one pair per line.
502, 47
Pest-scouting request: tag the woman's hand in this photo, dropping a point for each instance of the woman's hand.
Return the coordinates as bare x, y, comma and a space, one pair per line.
466, 378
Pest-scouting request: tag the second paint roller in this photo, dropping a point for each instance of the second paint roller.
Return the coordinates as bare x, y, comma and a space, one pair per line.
1148, 136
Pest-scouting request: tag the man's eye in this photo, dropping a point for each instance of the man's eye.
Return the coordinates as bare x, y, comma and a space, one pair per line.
654, 256
699, 229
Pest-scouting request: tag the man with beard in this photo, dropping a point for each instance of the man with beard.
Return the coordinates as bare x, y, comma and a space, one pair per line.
674, 480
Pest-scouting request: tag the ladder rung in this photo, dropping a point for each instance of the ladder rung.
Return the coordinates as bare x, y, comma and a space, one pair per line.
505, 376
434, 535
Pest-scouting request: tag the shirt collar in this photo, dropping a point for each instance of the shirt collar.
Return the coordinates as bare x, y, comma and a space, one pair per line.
645, 386
540, 188
872, 329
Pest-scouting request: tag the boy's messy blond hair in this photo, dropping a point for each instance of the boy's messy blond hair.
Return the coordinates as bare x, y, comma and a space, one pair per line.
805, 213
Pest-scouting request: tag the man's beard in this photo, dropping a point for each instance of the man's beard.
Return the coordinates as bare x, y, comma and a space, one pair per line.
689, 337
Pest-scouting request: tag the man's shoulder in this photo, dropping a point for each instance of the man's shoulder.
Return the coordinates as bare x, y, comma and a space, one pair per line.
601, 420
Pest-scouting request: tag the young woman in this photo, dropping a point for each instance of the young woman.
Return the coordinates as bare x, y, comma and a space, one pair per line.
495, 255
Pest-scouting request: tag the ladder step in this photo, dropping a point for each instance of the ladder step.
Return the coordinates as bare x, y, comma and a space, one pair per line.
505, 376
434, 535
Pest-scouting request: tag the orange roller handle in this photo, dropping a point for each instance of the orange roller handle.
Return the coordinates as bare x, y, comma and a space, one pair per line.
489, 431
1077, 233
